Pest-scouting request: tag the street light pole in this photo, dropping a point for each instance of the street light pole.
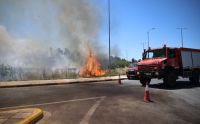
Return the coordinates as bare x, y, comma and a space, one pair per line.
148, 36
109, 35
126, 56
143, 45
182, 35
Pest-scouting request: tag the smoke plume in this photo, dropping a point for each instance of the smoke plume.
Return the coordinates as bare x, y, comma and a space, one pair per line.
52, 34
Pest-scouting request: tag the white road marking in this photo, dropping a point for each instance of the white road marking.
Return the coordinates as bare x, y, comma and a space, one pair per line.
53, 102
91, 111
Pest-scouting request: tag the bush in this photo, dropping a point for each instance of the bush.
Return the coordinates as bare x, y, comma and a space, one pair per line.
120, 64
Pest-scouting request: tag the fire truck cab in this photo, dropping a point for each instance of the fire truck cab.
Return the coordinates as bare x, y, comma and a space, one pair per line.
168, 63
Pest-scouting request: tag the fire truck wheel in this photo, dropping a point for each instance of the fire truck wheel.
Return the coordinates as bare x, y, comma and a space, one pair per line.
191, 80
144, 80
128, 77
170, 79
195, 77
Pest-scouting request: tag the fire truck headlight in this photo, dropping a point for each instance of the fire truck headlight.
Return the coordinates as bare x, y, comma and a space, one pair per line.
157, 73
138, 73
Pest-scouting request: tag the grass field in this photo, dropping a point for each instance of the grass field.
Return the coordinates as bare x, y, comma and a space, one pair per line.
56, 74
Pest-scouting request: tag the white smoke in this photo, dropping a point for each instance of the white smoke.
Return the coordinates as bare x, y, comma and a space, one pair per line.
51, 34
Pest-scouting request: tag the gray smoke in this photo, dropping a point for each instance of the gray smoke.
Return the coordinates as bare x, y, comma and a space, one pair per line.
115, 51
51, 33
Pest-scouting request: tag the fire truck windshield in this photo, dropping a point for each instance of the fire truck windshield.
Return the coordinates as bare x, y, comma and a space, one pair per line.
158, 53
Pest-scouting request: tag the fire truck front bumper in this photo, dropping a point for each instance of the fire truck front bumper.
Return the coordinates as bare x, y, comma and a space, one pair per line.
150, 74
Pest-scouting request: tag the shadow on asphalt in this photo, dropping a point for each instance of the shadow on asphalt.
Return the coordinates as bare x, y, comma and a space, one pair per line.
179, 85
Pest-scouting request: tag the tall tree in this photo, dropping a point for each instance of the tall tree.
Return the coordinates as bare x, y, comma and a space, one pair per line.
20, 73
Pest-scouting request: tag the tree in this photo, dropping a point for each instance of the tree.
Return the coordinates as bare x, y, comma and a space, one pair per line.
3, 71
134, 61
120, 64
11, 72
20, 72
44, 72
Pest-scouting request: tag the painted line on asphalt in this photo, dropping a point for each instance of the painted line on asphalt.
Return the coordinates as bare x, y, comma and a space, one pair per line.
52, 103
51, 84
7, 86
75, 82
83, 81
93, 81
38, 84
63, 83
100, 80
91, 111
32, 118
25, 85
109, 79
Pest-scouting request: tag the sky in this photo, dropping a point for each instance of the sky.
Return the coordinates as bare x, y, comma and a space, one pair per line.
29, 28
132, 19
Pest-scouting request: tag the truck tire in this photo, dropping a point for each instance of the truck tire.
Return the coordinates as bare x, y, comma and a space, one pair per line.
195, 77
144, 80
191, 80
128, 77
170, 79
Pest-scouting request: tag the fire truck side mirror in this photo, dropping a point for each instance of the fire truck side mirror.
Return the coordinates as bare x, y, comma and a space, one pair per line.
143, 54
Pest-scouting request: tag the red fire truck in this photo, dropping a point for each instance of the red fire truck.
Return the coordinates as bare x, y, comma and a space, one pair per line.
168, 63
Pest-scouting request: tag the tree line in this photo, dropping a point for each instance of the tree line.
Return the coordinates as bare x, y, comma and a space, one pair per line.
7, 71
117, 62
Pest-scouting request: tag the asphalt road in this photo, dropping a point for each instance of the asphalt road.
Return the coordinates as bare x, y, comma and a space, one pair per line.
108, 102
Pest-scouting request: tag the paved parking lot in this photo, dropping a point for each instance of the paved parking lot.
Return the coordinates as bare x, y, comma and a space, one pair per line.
108, 102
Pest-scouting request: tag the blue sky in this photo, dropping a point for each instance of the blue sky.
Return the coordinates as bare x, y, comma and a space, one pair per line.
131, 19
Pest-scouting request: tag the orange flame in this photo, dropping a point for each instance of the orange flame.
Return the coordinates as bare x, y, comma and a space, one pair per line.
92, 67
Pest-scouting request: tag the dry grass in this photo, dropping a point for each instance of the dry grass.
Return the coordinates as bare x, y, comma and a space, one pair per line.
57, 74
42, 75
114, 72
117, 71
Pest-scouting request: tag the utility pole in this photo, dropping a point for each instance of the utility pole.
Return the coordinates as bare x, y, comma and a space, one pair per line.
109, 35
182, 35
143, 45
148, 35
126, 56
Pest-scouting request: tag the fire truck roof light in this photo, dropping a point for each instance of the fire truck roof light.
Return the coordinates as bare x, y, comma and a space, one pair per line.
149, 48
164, 45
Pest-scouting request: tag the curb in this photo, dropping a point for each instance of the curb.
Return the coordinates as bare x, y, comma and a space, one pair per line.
60, 83
33, 117
30, 119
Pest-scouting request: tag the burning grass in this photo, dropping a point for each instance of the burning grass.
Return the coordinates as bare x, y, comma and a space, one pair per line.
92, 68
8, 73
114, 72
